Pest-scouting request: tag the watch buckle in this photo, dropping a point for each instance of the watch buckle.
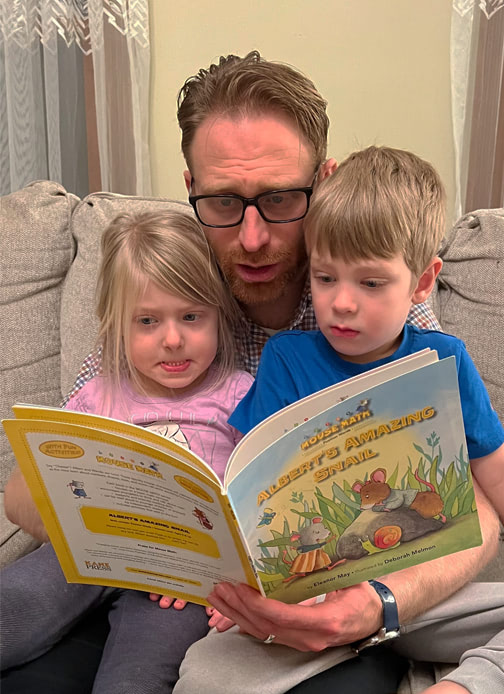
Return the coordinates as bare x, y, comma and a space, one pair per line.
381, 636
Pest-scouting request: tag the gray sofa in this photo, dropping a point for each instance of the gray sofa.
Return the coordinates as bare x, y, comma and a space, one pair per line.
49, 249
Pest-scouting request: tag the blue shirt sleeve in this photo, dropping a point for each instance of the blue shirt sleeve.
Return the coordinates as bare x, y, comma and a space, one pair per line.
484, 432
273, 389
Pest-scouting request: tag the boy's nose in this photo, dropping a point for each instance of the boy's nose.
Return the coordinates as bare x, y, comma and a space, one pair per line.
344, 301
254, 231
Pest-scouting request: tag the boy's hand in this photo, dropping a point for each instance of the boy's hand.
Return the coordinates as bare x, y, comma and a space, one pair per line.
218, 620
165, 601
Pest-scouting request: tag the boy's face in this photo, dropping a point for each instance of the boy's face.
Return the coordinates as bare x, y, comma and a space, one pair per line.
361, 306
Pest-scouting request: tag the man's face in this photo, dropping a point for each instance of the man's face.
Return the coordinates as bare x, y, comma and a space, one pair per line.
249, 156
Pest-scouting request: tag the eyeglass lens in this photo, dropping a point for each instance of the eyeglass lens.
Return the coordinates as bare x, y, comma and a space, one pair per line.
275, 207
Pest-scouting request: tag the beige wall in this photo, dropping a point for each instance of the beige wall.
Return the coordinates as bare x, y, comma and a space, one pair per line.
383, 66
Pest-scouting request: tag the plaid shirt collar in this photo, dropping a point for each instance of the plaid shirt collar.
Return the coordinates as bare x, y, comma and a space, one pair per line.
251, 338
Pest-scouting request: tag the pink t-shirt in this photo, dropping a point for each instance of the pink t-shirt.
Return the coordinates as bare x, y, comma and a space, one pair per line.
197, 420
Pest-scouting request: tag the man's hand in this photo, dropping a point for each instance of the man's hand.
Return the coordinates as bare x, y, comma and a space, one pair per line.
345, 616
20, 508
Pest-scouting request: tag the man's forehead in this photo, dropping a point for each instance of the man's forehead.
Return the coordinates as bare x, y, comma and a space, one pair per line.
262, 152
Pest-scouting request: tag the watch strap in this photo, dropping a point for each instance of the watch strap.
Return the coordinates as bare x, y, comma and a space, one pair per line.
391, 627
390, 613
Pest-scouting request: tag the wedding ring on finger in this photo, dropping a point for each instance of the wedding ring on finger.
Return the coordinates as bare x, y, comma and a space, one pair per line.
270, 638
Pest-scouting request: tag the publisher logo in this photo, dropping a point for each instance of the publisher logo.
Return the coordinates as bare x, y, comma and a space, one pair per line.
98, 565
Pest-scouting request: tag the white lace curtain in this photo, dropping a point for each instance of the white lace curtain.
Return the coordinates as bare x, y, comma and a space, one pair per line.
74, 90
477, 66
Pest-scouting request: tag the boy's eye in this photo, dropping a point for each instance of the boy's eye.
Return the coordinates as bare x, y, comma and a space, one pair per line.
324, 279
372, 284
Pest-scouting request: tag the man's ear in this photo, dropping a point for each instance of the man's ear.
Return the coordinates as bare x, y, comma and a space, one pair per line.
426, 282
187, 180
326, 169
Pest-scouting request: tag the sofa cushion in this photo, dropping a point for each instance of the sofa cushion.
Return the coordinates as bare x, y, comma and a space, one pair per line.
469, 303
37, 250
470, 294
79, 325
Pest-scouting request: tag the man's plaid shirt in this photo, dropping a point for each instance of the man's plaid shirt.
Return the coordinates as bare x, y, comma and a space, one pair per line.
251, 338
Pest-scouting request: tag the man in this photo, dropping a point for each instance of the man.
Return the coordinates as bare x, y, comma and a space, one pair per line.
254, 136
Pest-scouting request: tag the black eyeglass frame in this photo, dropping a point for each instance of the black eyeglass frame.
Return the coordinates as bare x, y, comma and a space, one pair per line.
308, 190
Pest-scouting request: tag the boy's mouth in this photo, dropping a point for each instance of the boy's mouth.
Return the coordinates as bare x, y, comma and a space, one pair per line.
342, 331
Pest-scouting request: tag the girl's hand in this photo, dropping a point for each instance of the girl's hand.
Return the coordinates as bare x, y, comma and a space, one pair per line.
218, 620
165, 601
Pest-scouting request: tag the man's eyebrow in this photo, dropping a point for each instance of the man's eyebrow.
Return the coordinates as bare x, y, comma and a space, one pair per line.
230, 189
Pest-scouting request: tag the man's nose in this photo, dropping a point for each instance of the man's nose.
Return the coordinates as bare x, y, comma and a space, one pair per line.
254, 231
343, 299
172, 337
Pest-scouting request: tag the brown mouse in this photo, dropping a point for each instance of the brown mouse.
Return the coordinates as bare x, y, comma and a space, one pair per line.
376, 495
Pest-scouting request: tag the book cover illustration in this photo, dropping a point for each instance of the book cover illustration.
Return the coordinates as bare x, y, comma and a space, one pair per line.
377, 483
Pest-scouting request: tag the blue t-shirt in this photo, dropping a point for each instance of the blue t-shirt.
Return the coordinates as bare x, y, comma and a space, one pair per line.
297, 363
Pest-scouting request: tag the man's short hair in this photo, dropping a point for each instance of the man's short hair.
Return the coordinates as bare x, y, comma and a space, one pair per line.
379, 202
253, 86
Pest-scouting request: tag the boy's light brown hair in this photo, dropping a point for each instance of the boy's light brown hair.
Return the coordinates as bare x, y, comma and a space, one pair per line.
252, 86
379, 202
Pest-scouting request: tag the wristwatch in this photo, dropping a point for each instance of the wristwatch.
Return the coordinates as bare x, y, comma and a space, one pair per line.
390, 629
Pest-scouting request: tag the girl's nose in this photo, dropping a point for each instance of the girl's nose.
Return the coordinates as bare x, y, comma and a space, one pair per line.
172, 338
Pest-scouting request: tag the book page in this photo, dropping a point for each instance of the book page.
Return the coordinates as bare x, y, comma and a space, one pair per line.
376, 483
115, 426
279, 423
125, 514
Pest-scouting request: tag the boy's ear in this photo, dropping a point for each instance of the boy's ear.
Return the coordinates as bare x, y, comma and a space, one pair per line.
426, 282
326, 169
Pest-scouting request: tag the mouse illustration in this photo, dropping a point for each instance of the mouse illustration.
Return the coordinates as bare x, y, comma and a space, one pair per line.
311, 557
376, 495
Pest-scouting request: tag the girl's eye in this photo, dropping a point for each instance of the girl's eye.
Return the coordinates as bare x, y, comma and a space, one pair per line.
325, 279
146, 320
191, 317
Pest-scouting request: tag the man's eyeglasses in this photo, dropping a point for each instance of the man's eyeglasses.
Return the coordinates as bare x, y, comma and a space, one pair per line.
275, 206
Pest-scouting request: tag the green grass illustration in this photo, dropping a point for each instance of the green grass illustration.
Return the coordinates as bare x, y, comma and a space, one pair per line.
452, 482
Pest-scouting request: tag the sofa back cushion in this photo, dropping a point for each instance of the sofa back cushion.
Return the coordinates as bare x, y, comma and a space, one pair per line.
470, 294
79, 325
469, 303
37, 249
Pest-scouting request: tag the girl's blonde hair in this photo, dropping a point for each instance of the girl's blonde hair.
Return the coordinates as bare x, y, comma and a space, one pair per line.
379, 202
169, 249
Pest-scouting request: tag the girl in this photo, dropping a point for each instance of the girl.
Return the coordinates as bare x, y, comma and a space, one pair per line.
166, 322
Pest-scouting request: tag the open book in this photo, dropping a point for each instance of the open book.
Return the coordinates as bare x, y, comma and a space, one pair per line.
358, 480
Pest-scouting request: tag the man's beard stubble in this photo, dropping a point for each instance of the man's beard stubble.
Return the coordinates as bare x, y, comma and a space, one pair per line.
256, 293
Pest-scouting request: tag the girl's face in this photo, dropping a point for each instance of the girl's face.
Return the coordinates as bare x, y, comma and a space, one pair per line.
173, 341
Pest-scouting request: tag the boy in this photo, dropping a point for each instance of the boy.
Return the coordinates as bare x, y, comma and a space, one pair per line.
372, 234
